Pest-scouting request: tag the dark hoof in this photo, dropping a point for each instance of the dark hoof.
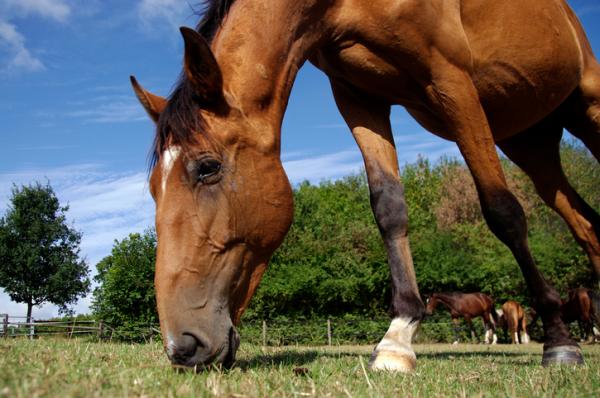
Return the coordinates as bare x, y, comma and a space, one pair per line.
562, 355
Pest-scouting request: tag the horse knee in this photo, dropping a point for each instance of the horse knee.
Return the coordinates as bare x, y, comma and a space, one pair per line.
389, 207
505, 217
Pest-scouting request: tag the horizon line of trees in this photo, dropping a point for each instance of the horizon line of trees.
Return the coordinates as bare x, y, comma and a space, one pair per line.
333, 261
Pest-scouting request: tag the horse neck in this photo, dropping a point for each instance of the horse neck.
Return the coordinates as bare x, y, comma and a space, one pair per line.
260, 49
445, 299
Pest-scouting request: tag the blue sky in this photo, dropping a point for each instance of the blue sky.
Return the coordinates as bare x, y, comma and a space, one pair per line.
69, 115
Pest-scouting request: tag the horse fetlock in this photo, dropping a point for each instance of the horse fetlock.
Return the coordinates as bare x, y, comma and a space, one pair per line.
403, 361
394, 352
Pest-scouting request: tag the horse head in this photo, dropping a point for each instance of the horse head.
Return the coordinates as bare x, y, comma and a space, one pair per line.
430, 304
223, 205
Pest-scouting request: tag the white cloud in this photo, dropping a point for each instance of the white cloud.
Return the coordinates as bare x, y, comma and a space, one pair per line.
13, 44
57, 10
103, 206
157, 14
111, 111
324, 167
15, 56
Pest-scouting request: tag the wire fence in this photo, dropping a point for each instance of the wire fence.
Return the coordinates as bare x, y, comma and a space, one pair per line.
276, 332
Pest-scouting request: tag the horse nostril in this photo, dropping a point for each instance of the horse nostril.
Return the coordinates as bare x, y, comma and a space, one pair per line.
184, 349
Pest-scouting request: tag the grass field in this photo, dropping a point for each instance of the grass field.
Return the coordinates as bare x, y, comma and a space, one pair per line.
80, 368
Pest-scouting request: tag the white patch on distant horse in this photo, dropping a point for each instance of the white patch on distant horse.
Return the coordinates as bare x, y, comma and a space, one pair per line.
394, 352
525, 338
490, 336
516, 338
168, 159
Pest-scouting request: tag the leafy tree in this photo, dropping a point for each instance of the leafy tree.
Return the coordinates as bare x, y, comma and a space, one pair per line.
39, 252
125, 292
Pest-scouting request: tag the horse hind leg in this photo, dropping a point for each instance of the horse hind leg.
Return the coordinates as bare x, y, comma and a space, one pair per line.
523, 330
536, 152
490, 328
581, 114
453, 95
582, 109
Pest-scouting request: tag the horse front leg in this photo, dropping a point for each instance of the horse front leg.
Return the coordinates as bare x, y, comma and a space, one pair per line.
490, 329
368, 118
455, 97
456, 329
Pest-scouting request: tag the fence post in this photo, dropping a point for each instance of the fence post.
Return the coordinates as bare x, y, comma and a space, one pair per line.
328, 331
31, 328
264, 333
100, 329
72, 327
5, 323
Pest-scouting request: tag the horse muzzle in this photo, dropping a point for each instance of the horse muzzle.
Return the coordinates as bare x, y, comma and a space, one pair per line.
194, 350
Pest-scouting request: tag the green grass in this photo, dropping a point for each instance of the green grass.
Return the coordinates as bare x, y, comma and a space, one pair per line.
80, 368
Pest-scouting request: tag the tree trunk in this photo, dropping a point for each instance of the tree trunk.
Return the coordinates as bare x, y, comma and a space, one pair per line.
29, 308
29, 319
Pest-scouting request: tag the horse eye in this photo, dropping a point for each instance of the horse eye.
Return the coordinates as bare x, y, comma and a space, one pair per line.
207, 169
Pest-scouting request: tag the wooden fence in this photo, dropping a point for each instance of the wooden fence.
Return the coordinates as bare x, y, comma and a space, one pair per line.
330, 331
20, 326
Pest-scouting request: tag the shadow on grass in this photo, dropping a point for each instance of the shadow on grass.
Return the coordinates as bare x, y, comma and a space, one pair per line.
290, 358
294, 358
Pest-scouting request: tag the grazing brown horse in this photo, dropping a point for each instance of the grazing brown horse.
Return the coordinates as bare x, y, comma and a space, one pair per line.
582, 306
481, 73
512, 318
467, 306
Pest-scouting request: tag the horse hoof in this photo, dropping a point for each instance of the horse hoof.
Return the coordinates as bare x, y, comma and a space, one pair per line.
391, 361
562, 355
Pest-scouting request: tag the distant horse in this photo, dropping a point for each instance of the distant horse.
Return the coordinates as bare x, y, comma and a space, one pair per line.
480, 73
512, 317
582, 306
468, 306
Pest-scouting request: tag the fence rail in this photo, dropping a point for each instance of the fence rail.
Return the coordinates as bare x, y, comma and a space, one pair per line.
328, 331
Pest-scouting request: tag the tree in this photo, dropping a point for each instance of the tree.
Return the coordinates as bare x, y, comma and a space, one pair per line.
125, 292
39, 252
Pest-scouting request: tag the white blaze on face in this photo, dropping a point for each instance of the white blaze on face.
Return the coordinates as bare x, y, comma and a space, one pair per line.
394, 352
168, 160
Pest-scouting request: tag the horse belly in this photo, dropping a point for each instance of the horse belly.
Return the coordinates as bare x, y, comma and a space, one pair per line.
526, 60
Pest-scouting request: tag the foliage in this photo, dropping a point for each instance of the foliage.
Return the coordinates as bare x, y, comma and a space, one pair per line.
333, 262
39, 252
125, 293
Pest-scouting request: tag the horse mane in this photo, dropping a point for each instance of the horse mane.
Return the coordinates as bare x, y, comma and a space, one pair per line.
181, 117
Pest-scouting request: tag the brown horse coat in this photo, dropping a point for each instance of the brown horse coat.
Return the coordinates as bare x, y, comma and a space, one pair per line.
579, 307
467, 306
478, 72
514, 319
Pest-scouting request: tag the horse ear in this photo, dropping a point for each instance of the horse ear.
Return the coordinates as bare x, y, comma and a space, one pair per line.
201, 68
153, 104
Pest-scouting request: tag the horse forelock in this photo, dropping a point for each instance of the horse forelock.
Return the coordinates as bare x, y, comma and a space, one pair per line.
181, 120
